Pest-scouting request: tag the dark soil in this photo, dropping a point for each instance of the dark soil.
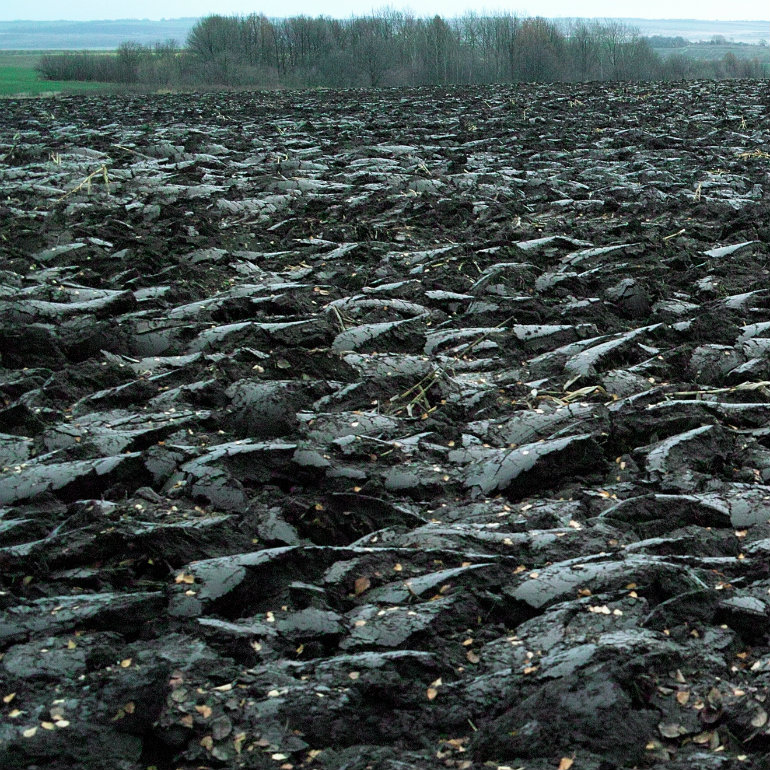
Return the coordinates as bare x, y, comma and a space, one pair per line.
391, 429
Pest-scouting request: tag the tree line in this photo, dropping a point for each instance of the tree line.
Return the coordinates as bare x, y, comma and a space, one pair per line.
390, 49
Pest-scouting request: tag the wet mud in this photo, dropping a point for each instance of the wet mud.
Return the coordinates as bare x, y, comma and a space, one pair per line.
383, 429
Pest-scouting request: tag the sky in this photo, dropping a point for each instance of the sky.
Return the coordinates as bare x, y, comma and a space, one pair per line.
170, 9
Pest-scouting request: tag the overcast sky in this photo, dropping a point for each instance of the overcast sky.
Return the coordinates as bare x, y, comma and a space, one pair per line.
156, 9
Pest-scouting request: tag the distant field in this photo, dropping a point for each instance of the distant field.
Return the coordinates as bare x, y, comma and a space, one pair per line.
18, 76
710, 52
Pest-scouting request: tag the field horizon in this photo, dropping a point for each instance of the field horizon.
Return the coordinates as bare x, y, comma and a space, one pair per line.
51, 35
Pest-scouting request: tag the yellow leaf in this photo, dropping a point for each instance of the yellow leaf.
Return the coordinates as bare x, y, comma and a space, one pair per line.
682, 697
207, 742
431, 693
183, 578
204, 711
47, 725
30, 732
566, 763
125, 663
71, 645
8, 698
472, 657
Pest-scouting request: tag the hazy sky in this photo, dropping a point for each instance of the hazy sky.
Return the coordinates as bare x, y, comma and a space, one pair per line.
156, 9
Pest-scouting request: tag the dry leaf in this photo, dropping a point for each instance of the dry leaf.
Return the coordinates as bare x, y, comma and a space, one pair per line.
714, 698
361, 585
760, 718
183, 578
682, 697
204, 711
125, 663
566, 763
472, 657
207, 742
433, 689
671, 729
